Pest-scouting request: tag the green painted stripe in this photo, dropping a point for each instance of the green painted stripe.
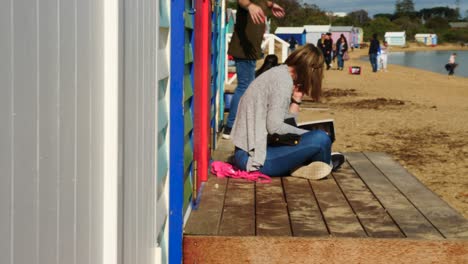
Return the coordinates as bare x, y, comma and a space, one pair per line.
188, 100
188, 123
188, 155
188, 53
188, 36
188, 91
188, 187
189, 21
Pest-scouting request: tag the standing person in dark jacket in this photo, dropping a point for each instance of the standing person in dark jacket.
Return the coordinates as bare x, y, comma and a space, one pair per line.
373, 52
326, 46
341, 48
245, 47
328, 50
321, 43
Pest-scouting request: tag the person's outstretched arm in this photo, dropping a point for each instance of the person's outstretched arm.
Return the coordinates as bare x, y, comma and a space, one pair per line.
276, 9
256, 12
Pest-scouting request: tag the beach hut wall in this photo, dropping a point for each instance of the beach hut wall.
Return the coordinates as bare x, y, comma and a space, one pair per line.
426, 39
109, 192
230, 19
396, 38
314, 32
298, 33
348, 33
358, 36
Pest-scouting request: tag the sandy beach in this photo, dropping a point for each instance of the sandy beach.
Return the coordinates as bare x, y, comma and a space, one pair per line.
418, 117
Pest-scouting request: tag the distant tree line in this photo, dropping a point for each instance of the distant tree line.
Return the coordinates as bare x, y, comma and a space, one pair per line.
428, 20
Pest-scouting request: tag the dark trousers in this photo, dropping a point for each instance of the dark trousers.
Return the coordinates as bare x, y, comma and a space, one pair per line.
328, 59
373, 61
451, 68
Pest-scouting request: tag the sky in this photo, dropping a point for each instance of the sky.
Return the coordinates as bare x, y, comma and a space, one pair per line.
381, 6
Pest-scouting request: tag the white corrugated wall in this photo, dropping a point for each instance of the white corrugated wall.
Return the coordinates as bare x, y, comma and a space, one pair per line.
84, 99
146, 131
52, 114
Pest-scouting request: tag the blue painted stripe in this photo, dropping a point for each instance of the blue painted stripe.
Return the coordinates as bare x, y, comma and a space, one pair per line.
176, 188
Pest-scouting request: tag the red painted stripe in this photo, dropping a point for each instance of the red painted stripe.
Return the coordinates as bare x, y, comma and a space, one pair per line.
202, 95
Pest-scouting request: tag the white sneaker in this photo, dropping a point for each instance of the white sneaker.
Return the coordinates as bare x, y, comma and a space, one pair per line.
314, 171
227, 132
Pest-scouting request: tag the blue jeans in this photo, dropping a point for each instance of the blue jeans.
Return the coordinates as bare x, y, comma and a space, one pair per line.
340, 60
373, 61
245, 70
280, 161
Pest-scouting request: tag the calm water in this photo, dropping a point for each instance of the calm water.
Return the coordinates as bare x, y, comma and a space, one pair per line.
431, 60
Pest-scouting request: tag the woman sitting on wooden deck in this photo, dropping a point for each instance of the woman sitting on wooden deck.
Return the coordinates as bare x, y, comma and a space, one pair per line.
272, 98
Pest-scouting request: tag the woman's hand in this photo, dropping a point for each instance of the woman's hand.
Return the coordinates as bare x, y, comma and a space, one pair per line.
256, 13
296, 100
277, 10
297, 94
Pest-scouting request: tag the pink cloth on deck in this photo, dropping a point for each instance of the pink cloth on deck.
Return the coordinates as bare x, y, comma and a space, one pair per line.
224, 169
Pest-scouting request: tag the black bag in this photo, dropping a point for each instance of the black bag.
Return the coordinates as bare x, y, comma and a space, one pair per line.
283, 140
286, 139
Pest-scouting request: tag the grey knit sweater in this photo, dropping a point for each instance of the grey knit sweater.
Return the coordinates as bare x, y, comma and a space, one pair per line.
262, 111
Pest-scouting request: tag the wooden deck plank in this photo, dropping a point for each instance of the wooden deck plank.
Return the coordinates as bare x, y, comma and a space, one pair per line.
205, 219
222, 155
372, 215
409, 219
305, 216
225, 145
271, 210
371, 196
446, 219
339, 217
238, 218
279, 250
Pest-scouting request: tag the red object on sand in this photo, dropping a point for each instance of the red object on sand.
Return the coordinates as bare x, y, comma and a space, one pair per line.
355, 70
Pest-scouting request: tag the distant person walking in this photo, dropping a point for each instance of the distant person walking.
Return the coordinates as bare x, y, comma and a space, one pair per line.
245, 47
328, 50
451, 65
292, 44
341, 49
321, 44
373, 52
384, 56
325, 45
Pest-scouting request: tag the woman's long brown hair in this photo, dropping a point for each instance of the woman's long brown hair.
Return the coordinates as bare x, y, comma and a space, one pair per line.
308, 62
